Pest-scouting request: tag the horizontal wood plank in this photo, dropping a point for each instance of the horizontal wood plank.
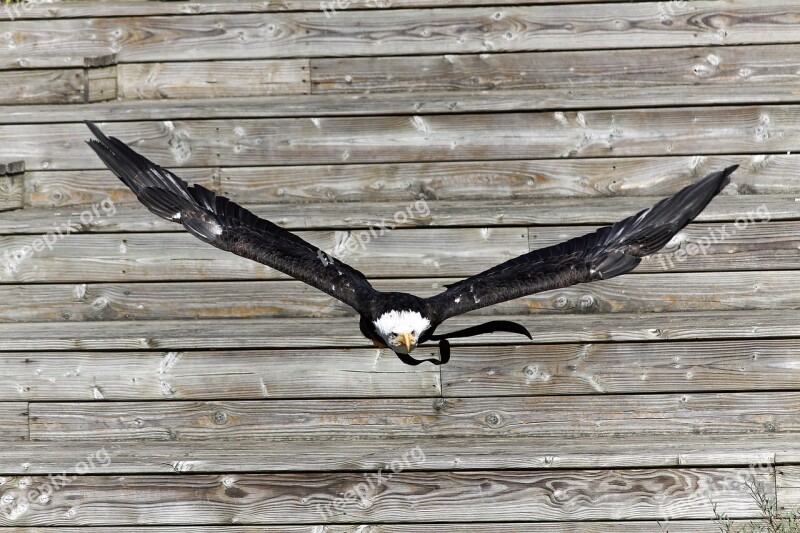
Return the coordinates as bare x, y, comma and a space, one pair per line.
324, 454
380, 252
14, 420
407, 497
643, 68
552, 416
158, 257
117, 8
135, 218
567, 185
42, 87
448, 102
272, 374
404, 31
645, 293
621, 368
219, 79
788, 488
343, 332
391, 139
631, 526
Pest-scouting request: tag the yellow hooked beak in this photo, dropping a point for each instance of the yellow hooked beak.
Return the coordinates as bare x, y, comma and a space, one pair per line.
406, 340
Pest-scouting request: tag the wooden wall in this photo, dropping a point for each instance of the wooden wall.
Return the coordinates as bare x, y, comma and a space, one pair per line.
227, 398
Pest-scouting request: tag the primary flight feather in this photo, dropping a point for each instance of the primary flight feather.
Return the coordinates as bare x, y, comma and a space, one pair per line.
402, 321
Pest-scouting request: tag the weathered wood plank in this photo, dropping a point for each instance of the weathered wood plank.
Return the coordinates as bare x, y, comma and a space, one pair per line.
617, 133
506, 180
11, 192
218, 79
788, 488
645, 293
159, 257
328, 105
680, 526
575, 181
405, 31
101, 84
551, 416
135, 218
117, 8
447, 453
68, 188
65, 188
343, 332
643, 68
621, 367
259, 374
398, 496
14, 420
378, 252
42, 87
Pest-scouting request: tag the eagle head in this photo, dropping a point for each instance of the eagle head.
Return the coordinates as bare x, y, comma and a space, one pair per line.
401, 330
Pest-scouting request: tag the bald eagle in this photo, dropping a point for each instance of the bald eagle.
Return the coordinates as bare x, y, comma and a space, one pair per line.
397, 320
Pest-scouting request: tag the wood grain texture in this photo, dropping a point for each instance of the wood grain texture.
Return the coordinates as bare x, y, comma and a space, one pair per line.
378, 252
215, 455
391, 139
787, 481
406, 497
42, 87
343, 332
440, 102
117, 8
643, 68
135, 218
632, 526
621, 368
129, 257
243, 374
217, 79
509, 180
14, 420
67, 188
645, 293
567, 185
564, 416
405, 31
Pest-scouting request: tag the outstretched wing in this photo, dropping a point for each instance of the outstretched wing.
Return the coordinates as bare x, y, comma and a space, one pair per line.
608, 252
228, 226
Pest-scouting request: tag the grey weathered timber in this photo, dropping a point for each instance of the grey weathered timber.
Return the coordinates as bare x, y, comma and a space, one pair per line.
14, 420
129, 257
569, 417
11, 185
219, 79
621, 368
338, 332
642, 293
379, 253
405, 497
27, 87
571, 184
617, 133
244, 374
118, 8
787, 480
215, 455
403, 31
331, 105
631, 526
643, 68
134, 218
